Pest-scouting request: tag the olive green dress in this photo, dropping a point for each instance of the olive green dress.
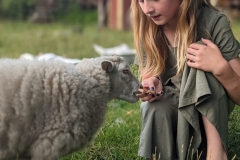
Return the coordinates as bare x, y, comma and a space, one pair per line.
172, 127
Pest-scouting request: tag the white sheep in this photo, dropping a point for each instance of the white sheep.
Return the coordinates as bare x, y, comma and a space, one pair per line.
49, 109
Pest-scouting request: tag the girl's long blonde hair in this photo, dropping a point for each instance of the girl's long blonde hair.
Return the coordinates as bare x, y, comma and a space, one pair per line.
149, 38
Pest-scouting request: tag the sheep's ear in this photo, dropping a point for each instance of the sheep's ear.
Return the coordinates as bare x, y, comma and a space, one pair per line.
107, 66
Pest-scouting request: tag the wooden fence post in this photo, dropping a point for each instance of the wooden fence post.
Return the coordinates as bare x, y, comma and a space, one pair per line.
119, 14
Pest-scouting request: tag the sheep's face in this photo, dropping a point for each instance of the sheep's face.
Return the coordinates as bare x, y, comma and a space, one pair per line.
123, 83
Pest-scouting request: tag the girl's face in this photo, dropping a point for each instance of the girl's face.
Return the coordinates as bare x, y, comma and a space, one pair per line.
162, 12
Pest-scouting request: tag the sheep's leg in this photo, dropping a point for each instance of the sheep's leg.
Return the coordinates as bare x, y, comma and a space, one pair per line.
52, 147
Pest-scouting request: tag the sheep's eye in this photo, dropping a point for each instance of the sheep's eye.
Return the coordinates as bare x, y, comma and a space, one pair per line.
125, 71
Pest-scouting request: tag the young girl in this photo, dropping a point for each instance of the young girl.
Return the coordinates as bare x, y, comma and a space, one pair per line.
176, 40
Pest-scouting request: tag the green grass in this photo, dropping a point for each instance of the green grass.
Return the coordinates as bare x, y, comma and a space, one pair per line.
234, 133
73, 41
119, 136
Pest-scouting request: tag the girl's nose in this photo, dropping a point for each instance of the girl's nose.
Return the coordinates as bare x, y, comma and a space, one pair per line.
148, 8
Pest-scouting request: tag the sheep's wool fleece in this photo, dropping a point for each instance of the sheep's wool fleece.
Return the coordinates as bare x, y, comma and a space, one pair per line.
47, 106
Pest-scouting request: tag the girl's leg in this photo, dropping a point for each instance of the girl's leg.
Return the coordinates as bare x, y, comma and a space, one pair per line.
215, 149
158, 136
159, 127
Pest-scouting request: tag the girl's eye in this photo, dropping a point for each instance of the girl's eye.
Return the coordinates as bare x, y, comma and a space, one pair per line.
140, 1
125, 71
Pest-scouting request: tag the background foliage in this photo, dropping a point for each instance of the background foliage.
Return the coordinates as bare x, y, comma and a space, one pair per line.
55, 10
19, 9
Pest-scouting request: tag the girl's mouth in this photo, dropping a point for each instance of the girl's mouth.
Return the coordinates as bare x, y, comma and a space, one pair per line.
155, 17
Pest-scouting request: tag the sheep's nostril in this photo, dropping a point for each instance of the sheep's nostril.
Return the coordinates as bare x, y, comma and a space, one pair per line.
141, 86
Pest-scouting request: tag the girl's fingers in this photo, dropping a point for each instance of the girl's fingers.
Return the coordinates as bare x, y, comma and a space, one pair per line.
141, 95
208, 43
151, 97
147, 98
191, 58
149, 85
195, 46
159, 95
191, 51
191, 63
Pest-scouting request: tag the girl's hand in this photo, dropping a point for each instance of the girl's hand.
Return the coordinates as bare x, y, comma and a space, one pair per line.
205, 57
153, 84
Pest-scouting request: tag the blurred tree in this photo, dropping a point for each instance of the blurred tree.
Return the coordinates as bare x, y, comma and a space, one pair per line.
87, 4
235, 4
43, 11
102, 13
17, 9
235, 9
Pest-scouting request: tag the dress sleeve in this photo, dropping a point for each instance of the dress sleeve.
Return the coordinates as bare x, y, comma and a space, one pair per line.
223, 37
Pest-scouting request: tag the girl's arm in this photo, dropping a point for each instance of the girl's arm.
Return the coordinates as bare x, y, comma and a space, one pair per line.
229, 76
209, 58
